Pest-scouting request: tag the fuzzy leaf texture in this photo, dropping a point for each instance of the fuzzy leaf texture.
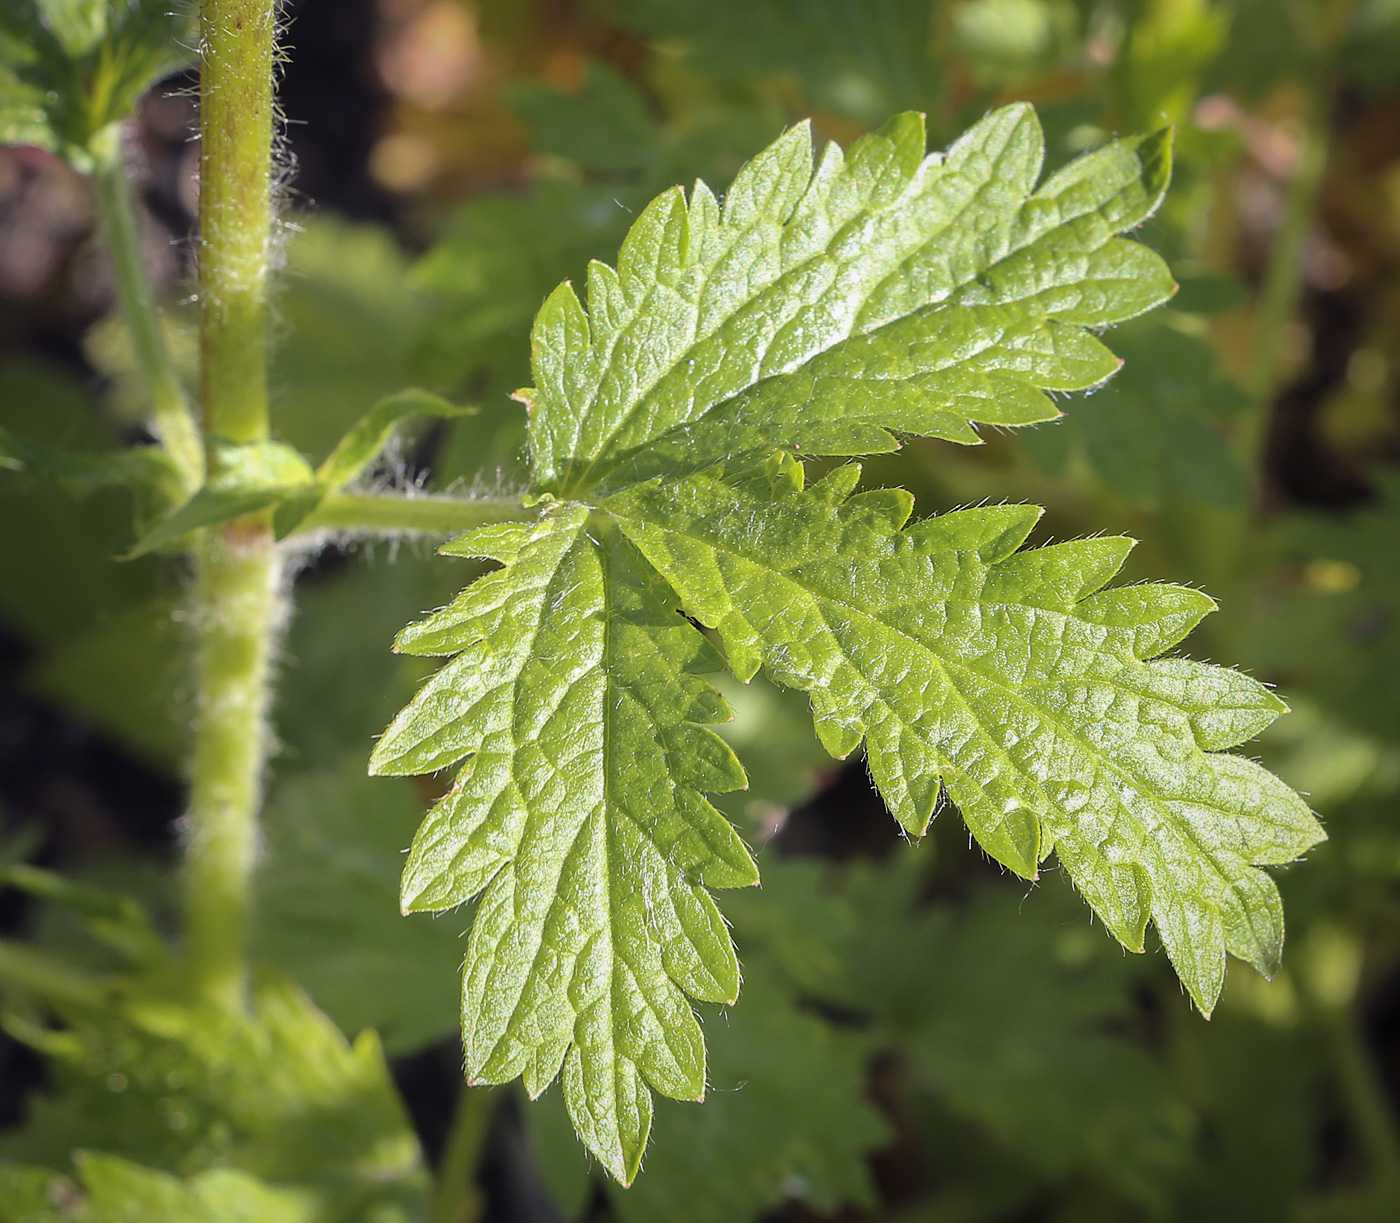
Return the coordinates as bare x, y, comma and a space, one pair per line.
822, 309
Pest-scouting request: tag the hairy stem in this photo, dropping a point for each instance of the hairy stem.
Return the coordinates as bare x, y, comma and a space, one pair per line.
386, 514
238, 592
235, 213
239, 609
171, 418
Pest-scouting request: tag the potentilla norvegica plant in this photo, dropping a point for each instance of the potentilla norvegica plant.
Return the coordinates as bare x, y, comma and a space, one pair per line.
826, 304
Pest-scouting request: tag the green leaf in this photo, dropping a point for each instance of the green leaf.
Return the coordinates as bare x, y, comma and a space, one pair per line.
899, 291
1336, 632
275, 1092
363, 444
1154, 429
147, 471
862, 59
119, 1191
1008, 1000
351, 316
52, 604
987, 1000
1012, 679
1011, 41
578, 817
327, 912
119, 675
113, 918
605, 128
819, 312
360, 447
69, 68
244, 478
500, 256
341, 686
35, 1195
788, 1118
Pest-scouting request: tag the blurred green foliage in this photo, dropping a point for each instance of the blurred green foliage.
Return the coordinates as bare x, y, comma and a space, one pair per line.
68, 68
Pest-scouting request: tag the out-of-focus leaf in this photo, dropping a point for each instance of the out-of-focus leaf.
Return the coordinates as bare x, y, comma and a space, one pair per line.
772, 731
1268, 42
58, 575
128, 676
328, 907
36, 1195
1168, 47
119, 1191
243, 478
1009, 1001
1209, 294
108, 347
1154, 428
105, 644
1006, 42
863, 59
113, 918
1335, 634
340, 684
1254, 1084
1372, 49
990, 1001
182, 1088
148, 471
606, 127
69, 68
485, 279
351, 316
786, 1117
362, 445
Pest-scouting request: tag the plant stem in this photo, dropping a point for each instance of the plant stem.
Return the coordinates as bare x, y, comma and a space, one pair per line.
385, 514
172, 420
239, 600
235, 213
239, 611
456, 1198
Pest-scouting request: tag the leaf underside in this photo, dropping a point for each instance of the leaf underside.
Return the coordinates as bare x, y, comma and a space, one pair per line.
818, 311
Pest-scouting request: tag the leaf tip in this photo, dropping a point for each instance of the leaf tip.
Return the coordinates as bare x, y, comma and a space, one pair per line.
410, 894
